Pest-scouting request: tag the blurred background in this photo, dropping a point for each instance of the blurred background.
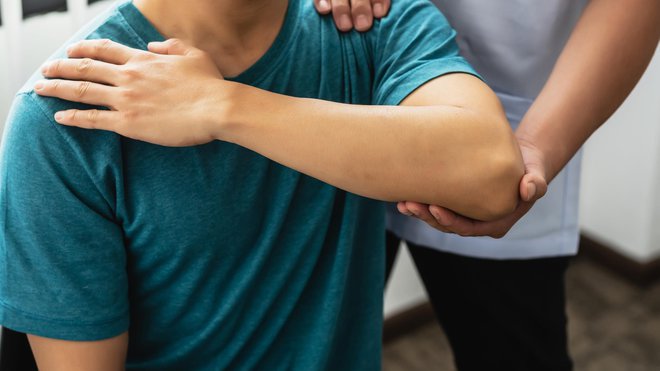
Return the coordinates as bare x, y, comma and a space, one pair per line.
613, 289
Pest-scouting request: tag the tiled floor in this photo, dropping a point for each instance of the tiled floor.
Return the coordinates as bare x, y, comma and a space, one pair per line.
614, 326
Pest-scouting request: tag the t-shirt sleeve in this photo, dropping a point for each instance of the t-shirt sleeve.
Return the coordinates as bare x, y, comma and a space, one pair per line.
62, 257
412, 45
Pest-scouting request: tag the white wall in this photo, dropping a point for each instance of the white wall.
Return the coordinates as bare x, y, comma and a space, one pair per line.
405, 288
40, 38
621, 174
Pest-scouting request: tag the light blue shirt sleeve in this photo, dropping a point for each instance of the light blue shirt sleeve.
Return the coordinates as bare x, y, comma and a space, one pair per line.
411, 46
62, 257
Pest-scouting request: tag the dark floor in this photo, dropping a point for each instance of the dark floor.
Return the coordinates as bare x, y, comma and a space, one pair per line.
613, 326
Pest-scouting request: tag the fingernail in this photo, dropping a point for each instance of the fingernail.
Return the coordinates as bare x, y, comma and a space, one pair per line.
44, 68
378, 10
362, 22
345, 22
39, 85
435, 214
59, 116
323, 4
531, 191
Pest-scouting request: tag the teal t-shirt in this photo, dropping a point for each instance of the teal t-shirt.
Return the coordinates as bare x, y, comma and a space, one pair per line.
212, 257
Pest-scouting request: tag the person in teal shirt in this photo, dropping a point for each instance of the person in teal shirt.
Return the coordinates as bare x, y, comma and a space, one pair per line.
253, 239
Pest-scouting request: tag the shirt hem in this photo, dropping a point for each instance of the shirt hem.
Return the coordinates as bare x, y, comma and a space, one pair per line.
49, 328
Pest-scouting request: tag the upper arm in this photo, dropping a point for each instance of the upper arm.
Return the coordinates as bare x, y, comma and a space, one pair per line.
62, 258
458, 90
61, 355
414, 46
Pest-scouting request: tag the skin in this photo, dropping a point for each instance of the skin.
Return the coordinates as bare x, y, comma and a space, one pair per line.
446, 131
595, 72
349, 14
60, 355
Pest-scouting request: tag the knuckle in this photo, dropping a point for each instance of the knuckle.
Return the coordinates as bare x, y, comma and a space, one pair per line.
84, 66
340, 6
93, 116
99, 46
55, 85
127, 95
82, 89
360, 7
131, 73
127, 116
56, 67
104, 44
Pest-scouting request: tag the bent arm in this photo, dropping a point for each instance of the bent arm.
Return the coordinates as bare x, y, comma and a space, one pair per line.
608, 51
61, 355
604, 58
451, 132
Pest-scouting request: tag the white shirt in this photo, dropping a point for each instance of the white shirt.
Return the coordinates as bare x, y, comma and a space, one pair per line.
514, 45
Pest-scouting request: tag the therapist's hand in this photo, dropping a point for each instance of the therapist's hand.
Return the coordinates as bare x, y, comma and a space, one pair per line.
353, 13
172, 88
532, 187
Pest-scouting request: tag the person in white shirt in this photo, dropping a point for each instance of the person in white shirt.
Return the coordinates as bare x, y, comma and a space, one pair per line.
560, 68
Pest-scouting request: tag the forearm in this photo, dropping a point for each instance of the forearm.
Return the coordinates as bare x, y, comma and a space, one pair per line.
467, 161
604, 58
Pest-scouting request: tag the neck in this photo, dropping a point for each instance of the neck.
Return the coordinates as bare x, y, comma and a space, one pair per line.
234, 32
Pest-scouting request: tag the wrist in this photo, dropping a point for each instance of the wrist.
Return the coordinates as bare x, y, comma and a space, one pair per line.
223, 110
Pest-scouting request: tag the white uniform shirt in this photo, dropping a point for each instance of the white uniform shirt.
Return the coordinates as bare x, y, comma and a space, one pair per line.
514, 45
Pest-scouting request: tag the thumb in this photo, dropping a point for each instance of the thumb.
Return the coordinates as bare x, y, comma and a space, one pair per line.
532, 186
170, 47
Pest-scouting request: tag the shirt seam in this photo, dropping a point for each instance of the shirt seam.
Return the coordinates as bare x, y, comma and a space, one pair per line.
61, 321
441, 68
29, 95
132, 31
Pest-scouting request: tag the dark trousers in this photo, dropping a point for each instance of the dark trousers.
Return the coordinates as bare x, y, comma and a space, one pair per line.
504, 315
15, 352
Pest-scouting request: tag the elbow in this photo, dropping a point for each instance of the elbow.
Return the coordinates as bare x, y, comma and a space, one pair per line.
499, 194
502, 194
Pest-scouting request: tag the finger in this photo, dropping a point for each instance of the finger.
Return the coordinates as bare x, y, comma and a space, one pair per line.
362, 15
323, 6
81, 69
89, 119
171, 47
407, 207
445, 217
421, 211
468, 227
77, 91
341, 12
401, 206
380, 8
102, 50
455, 223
